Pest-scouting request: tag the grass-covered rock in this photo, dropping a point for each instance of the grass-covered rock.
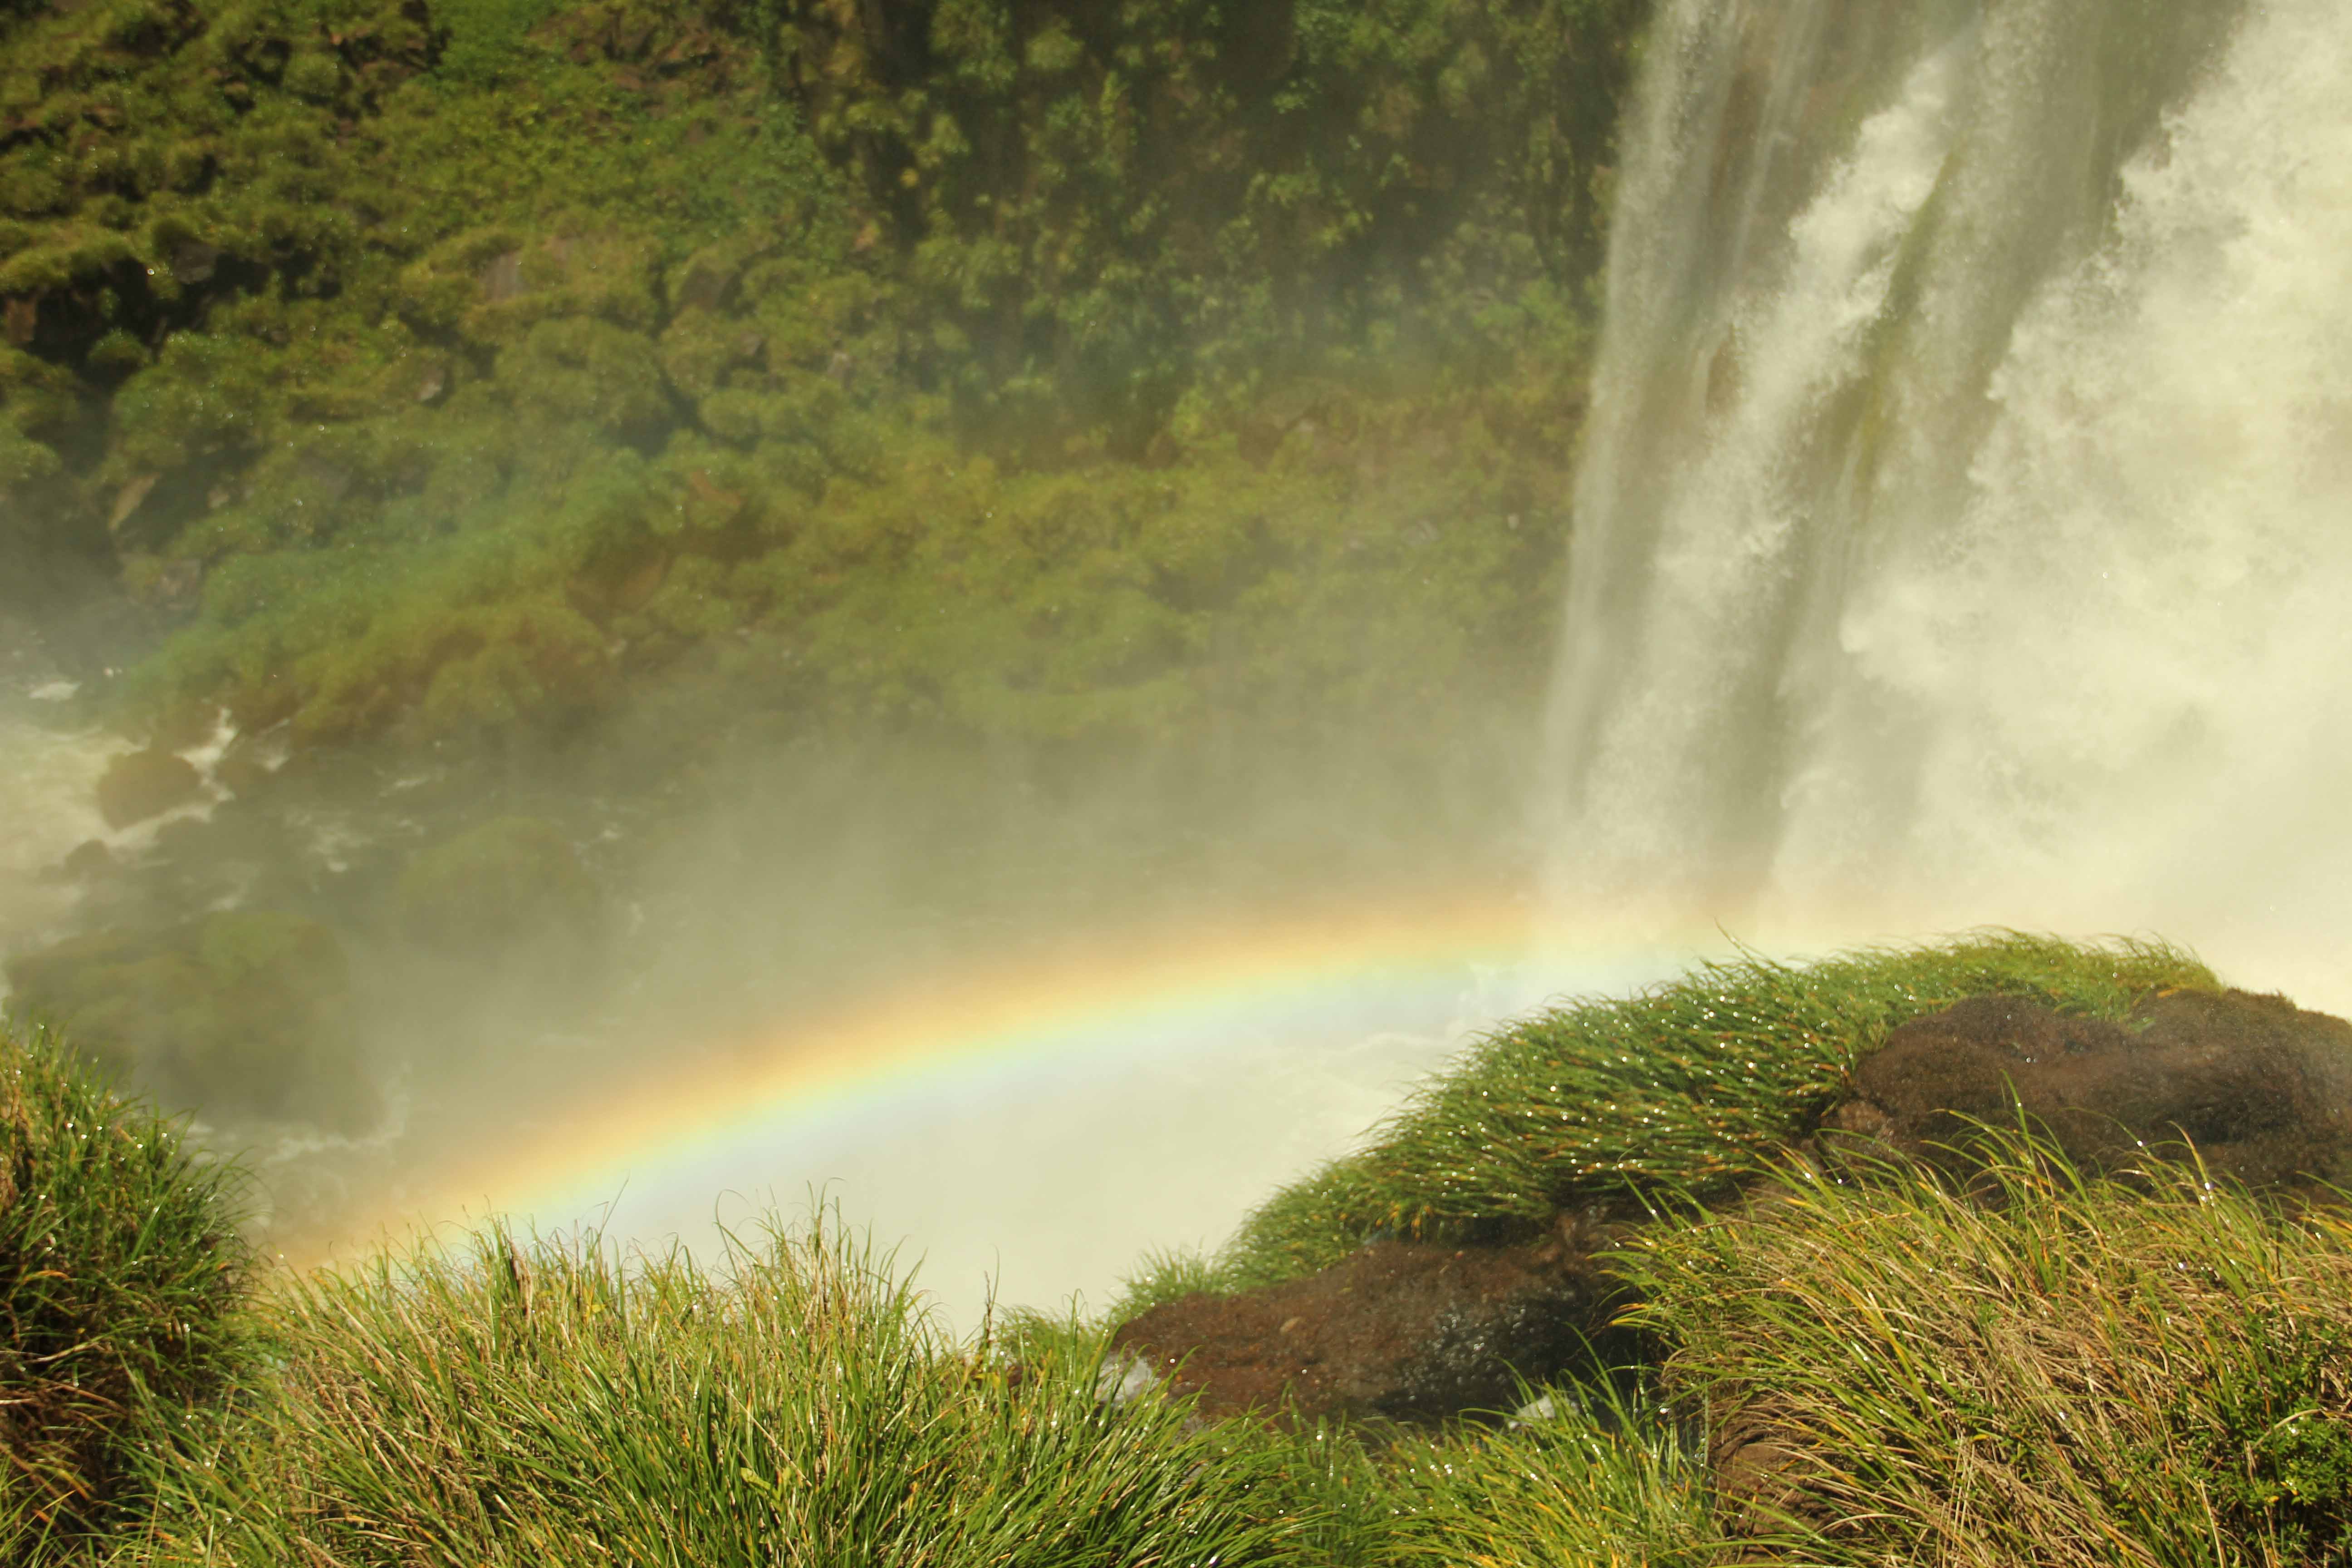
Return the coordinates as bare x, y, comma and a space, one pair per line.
504, 886
1681, 1089
123, 1282
2045, 1367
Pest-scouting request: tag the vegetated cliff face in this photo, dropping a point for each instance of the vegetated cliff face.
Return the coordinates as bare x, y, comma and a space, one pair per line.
1029, 365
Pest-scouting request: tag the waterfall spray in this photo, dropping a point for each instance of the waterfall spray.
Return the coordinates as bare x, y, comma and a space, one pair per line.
1961, 533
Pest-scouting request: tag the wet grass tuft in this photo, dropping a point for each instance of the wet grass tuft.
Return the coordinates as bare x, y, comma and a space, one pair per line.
2042, 1367
122, 1288
553, 1403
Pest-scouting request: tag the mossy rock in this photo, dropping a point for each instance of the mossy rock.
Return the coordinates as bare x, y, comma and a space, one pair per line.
239, 1014
512, 887
146, 783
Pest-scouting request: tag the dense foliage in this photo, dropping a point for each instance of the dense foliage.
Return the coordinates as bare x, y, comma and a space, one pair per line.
1126, 213
244, 1011
1046, 367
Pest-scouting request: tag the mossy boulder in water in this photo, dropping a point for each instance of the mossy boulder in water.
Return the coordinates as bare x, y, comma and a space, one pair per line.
240, 1014
146, 783
509, 886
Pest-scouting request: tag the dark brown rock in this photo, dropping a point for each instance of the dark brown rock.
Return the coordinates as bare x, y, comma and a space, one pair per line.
84, 862
90, 858
1401, 1331
245, 767
183, 726
193, 261
145, 783
2262, 1088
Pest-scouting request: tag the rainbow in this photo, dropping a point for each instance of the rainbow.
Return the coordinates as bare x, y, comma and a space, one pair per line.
1075, 1007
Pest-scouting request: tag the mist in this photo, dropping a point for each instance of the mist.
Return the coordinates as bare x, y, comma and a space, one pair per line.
1068, 1043
1954, 538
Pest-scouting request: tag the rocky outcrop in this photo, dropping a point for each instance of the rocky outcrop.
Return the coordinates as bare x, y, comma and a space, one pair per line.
1414, 1331
2260, 1086
1398, 1331
146, 783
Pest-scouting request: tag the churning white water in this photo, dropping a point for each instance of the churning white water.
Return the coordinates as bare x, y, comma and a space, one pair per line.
47, 780
1965, 529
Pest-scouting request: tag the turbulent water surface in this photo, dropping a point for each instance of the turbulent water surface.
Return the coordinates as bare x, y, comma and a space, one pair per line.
1965, 529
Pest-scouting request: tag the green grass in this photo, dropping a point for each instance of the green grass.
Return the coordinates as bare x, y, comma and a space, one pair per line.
546, 1405
1609, 1483
2049, 1368
2152, 1369
122, 1285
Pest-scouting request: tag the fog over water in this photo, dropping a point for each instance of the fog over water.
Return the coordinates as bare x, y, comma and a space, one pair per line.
1107, 1009
1961, 537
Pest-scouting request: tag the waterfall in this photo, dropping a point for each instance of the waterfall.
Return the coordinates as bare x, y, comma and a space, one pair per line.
1964, 525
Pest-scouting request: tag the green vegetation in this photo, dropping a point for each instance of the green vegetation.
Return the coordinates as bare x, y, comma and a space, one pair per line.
509, 883
1608, 1482
123, 1285
1033, 369
2049, 1369
246, 1011
550, 1407
1679, 1089
1018, 366
2046, 1368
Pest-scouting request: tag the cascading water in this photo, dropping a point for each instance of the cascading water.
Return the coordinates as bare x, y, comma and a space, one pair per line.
1964, 530
47, 791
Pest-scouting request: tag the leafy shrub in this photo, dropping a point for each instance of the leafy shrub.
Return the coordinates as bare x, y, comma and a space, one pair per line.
483, 40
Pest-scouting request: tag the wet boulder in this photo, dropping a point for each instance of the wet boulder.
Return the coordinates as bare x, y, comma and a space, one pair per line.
85, 862
2260, 1086
140, 784
1398, 1330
